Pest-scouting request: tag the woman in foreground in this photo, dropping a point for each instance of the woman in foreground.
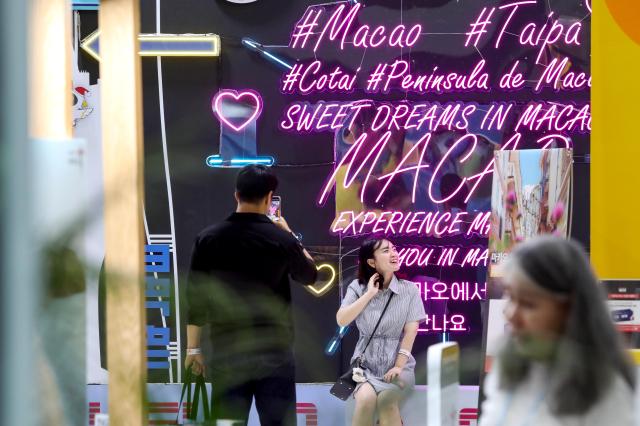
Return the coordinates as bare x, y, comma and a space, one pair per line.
563, 362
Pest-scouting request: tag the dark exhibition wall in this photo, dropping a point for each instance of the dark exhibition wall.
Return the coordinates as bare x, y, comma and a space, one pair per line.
178, 96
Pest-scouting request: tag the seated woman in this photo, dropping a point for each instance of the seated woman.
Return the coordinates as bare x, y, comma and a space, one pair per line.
563, 362
387, 363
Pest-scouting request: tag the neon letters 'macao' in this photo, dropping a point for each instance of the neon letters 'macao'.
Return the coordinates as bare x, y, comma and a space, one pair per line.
339, 26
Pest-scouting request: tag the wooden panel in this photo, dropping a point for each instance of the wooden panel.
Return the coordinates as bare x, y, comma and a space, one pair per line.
123, 177
50, 69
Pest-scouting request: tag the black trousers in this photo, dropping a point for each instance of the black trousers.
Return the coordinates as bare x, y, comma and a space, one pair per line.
269, 378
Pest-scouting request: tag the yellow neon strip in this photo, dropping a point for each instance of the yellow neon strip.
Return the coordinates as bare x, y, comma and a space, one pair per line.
86, 45
152, 37
178, 53
328, 285
214, 39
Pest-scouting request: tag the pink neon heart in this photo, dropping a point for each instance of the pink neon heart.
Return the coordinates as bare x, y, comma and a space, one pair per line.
253, 97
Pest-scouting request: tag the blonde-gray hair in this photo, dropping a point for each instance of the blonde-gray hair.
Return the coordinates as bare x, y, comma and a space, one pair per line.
590, 352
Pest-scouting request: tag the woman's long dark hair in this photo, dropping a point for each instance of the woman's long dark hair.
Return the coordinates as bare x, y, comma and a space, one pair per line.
590, 353
365, 271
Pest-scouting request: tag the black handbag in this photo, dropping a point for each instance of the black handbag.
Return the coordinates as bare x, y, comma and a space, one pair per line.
345, 385
200, 391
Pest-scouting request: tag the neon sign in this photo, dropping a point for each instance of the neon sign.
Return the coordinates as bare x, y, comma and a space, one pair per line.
533, 36
338, 26
257, 47
320, 288
229, 114
447, 256
238, 112
420, 223
332, 346
218, 161
397, 147
462, 290
444, 323
307, 78
163, 45
397, 75
330, 116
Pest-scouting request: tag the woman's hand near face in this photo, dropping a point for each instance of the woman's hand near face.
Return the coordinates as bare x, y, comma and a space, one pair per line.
346, 314
372, 286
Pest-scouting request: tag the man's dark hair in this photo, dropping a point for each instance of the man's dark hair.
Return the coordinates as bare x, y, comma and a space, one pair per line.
254, 182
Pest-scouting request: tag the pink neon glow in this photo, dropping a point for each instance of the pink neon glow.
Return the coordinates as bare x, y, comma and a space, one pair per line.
588, 4
378, 149
339, 27
397, 75
480, 224
249, 96
432, 223
444, 323
448, 256
439, 288
360, 165
537, 116
554, 76
533, 36
401, 169
512, 80
479, 26
323, 116
337, 24
498, 114
541, 37
425, 256
381, 220
352, 169
347, 161
305, 27
475, 257
555, 118
307, 78
410, 256
465, 291
423, 116
515, 6
305, 117
471, 136
576, 81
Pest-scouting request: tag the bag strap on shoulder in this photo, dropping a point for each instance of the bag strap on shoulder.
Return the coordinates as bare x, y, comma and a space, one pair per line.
378, 323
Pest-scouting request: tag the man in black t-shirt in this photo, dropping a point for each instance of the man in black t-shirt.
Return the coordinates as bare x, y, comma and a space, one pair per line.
239, 285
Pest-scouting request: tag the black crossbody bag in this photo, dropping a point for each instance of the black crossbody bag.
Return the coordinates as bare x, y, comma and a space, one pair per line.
345, 385
200, 390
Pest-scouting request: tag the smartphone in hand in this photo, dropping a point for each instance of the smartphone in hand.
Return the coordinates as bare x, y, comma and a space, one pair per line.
275, 209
